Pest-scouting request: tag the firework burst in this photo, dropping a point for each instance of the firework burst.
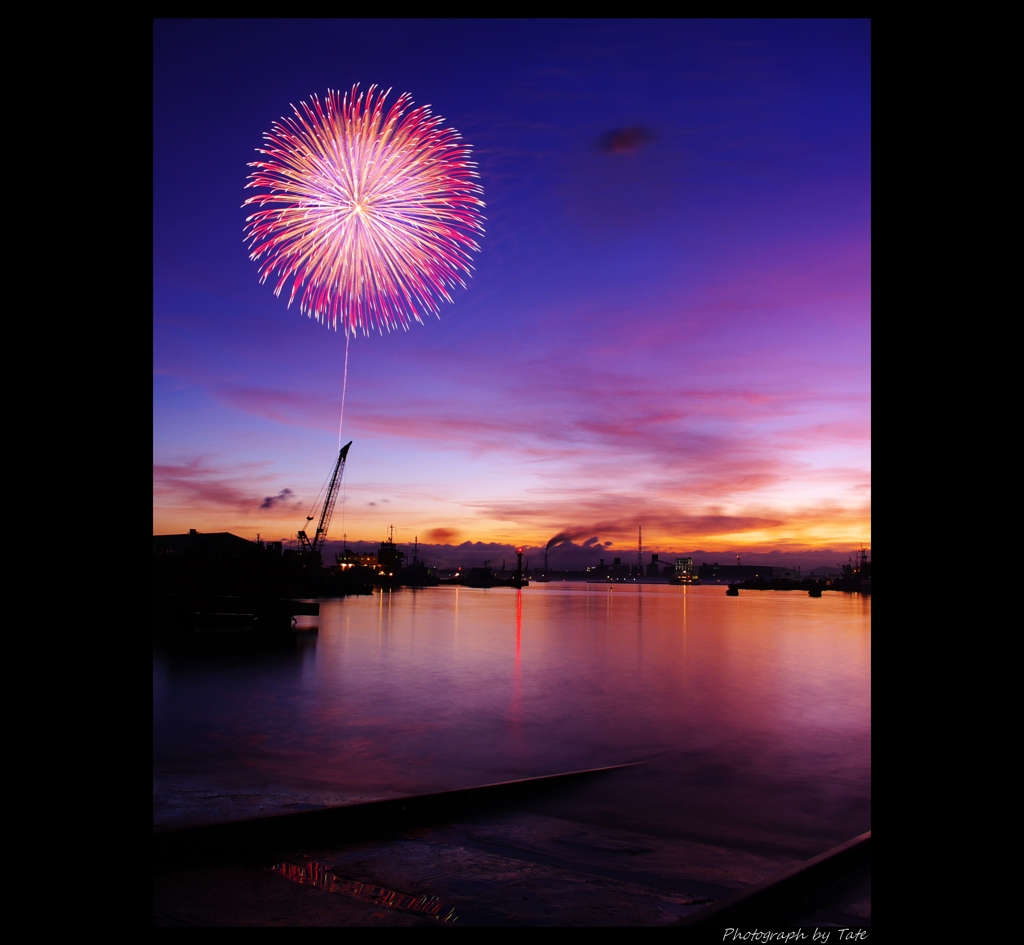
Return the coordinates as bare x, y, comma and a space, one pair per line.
370, 215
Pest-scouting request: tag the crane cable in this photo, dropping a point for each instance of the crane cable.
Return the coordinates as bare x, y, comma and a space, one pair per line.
316, 501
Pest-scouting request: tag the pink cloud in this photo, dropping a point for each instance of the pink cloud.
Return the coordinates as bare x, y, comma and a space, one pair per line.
202, 486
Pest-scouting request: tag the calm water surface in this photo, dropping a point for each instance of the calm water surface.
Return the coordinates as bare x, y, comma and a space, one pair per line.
752, 714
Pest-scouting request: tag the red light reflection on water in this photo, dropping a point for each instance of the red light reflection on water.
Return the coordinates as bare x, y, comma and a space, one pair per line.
515, 715
317, 874
519, 624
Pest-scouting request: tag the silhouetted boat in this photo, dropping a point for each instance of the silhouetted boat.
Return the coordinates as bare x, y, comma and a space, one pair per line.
733, 591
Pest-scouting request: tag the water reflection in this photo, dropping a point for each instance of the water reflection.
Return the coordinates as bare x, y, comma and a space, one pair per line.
517, 682
753, 713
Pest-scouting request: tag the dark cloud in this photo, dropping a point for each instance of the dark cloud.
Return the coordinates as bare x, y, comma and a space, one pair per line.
625, 140
271, 500
571, 556
442, 536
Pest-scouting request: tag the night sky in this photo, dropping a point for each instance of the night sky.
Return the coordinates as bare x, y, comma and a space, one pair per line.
668, 325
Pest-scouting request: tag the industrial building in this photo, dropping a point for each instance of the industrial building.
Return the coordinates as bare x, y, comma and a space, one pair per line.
737, 573
212, 545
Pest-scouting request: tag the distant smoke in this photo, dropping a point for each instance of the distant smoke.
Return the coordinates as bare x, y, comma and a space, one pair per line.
271, 500
564, 536
625, 140
561, 536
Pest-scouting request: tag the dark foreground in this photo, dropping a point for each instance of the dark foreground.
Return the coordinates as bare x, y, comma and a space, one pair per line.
503, 863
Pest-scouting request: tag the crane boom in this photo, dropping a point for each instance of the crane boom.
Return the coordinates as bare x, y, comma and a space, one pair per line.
315, 547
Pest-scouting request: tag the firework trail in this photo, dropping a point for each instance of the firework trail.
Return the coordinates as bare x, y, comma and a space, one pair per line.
371, 215
344, 384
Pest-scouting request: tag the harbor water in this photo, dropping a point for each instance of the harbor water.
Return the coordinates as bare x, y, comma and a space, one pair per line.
751, 714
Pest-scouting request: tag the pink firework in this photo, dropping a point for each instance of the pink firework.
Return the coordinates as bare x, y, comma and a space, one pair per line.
371, 215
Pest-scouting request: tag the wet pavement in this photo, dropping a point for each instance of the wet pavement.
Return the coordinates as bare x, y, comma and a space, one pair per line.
520, 869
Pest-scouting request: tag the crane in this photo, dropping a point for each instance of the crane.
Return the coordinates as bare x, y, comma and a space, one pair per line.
315, 547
